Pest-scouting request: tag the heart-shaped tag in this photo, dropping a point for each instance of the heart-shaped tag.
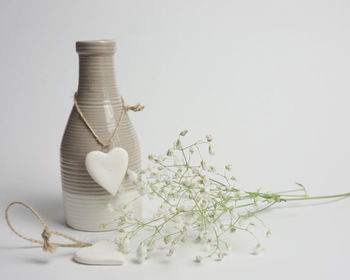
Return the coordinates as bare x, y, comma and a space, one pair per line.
107, 169
101, 253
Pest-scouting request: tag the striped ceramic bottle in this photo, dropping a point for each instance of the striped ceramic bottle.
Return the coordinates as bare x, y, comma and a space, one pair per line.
87, 205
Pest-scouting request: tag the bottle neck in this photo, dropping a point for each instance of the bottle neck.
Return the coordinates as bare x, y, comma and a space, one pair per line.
96, 75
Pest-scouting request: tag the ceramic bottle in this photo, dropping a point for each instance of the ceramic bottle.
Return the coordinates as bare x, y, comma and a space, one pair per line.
87, 205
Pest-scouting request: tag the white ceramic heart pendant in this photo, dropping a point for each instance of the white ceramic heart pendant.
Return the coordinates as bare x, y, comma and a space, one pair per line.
100, 253
107, 169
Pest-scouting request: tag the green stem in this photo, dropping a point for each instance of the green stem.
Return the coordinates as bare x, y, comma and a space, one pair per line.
194, 144
295, 190
318, 197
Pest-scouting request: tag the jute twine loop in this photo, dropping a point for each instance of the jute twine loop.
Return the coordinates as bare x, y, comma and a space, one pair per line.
135, 108
48, 246
125, 109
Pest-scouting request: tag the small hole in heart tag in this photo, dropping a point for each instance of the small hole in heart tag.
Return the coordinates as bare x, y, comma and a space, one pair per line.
108, 169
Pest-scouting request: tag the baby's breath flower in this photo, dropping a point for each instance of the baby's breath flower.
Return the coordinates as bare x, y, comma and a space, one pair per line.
257, 200
159, 159
132, 175
167, 239
123, 245
211, 150
171, 251
221, 255
197, 203
257, 249
228, 167
170, 152
183, 133
204, 181
141, 253
143, 189
211, 169
268, 233
204, 165
178, 144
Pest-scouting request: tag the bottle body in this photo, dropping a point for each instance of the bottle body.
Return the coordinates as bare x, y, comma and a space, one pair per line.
87, 205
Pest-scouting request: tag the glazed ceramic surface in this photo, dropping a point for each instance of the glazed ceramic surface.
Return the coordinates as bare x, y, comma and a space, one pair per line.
86, 204
108, 169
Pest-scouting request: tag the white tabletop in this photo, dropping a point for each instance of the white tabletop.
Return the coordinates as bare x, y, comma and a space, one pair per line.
307, 241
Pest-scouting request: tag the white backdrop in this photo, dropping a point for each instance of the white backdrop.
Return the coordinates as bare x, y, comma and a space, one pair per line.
268, 79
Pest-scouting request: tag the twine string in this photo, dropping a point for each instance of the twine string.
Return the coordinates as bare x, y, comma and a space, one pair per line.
47, 233
125, 109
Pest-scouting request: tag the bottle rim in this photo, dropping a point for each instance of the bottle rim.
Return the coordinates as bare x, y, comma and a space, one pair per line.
96, 47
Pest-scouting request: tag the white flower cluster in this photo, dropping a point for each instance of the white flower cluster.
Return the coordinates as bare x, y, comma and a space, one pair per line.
198, 203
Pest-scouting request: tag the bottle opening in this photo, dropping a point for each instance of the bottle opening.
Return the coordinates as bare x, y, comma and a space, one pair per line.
96, 47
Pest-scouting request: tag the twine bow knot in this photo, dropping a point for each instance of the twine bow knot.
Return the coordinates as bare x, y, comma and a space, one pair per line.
135, 108
47, 246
